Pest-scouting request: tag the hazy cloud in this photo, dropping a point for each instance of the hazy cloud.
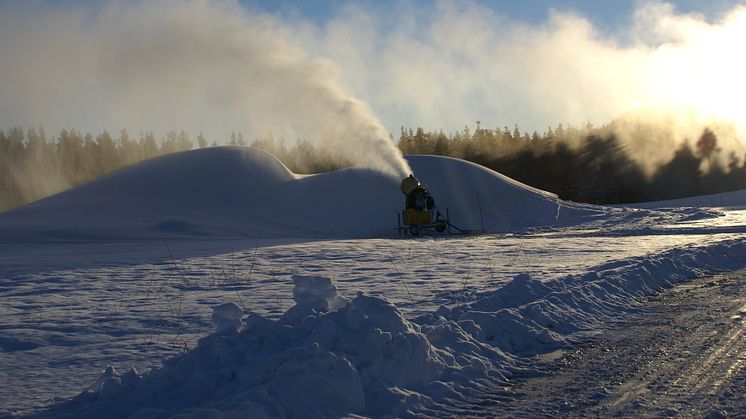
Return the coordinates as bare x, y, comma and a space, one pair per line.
461, 62
215, 67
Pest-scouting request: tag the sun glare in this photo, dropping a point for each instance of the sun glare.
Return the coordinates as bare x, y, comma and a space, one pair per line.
703, 71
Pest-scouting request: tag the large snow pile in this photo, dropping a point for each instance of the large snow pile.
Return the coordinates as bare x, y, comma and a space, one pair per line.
195, 193
245, 192
479, 198
330, 357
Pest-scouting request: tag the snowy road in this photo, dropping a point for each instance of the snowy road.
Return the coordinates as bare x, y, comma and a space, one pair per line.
682, 354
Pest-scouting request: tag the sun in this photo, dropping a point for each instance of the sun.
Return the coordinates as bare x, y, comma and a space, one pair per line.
703, 70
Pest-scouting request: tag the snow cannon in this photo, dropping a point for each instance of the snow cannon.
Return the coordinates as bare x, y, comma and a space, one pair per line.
420, 213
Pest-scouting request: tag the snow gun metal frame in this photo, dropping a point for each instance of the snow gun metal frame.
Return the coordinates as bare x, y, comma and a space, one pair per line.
440, 225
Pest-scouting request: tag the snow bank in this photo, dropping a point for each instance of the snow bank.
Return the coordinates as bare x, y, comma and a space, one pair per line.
331, 357
363, 358
224, 192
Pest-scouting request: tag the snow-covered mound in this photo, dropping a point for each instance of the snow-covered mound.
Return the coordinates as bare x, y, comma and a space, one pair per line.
479, 198
245, 192
198, 193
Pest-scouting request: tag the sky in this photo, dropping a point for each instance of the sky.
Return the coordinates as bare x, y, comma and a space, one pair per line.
327, 68
609, 13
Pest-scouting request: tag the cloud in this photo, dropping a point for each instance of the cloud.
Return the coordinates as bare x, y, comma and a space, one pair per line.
215, 67
461, 62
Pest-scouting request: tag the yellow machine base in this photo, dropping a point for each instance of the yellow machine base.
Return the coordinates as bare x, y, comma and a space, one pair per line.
418, 217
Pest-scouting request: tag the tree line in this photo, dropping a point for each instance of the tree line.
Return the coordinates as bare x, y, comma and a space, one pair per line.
33, 165
586, 164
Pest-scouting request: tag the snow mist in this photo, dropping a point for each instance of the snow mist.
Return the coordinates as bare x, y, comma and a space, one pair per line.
209, 67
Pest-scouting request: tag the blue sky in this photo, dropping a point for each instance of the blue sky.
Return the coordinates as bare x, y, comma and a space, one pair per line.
605, 13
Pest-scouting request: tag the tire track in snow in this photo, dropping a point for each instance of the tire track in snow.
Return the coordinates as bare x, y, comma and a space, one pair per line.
683, 354
687, 384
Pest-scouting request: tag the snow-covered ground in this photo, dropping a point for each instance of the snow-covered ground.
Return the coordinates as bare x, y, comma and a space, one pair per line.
340, 315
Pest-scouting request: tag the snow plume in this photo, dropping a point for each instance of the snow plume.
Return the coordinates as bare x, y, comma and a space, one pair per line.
209, 67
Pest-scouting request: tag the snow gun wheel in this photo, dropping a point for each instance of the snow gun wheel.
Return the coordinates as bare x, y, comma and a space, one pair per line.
440, 227
414, 230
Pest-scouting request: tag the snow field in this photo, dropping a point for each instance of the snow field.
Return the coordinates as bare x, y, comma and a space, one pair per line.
136, 315
136, 267
367, 358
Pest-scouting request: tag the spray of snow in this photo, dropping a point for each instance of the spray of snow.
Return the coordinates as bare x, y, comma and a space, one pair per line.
208, 67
